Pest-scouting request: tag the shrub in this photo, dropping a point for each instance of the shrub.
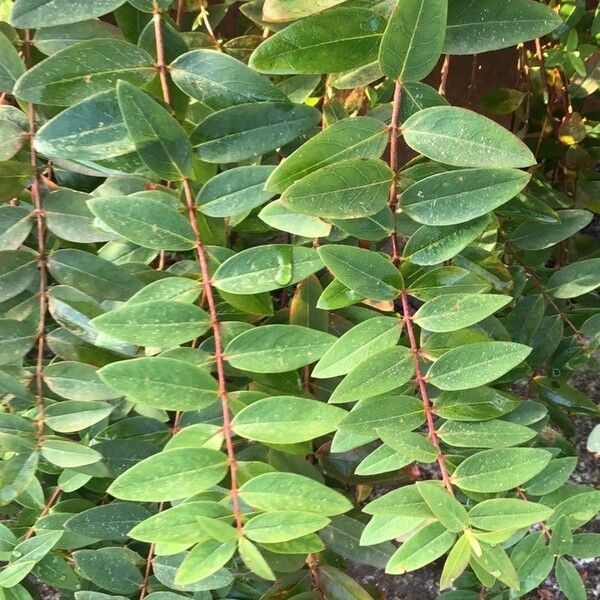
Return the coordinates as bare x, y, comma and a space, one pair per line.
235, 319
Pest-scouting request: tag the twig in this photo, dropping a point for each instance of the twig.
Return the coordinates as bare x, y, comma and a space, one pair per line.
393, 198
444, 75
419, 377
539, 285
208, 295
313, 567
421, 383
51, 501
38, 211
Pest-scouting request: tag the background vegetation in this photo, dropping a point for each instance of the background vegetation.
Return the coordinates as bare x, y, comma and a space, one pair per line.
271, 306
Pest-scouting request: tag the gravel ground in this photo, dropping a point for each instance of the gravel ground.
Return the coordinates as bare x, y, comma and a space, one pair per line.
423, 584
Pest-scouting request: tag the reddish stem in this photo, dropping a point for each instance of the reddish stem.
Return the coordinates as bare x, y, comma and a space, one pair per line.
394, 138
51, 501
208, 295
38, 212
419, 378
444, 75
421, 382
219, 356
160, 56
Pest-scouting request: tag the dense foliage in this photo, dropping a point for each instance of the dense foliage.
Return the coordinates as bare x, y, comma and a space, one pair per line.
243, 345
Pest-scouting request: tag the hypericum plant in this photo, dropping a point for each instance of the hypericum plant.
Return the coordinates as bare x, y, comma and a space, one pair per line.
229, 311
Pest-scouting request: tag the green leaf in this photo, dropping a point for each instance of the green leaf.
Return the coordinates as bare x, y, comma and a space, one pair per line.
83, 69
160, 141
289, 491
402, 413
359, 137
205, 559
473, 365
339, 586
51, 40
493, 471
462, 138
92, 275
406, 499
413, 39
416, 96
247, 131
420, 549
26, 555
235, 191
109, 521
586, 545
16, 475
476, 26
31, 14
283, 525
447, 510
539, 236
456, 562
266, 268
13, 177
281, 11
76, 415
171, 475
358, 344
67, 454
488, 434
162, 382
348, 189
496, 562
478, 404
575, 279
552, 477
408, 446
219, 81
165, 569
504, 513
383, 459
15, 224
569, 580
280, 217
18, 269
286, 420
337, 40
368, 273
12, 136
461, 195
277, 348
579, 508
343, 537
145, 220
380, 373
16, 339
161, 323
110, 569
444, 280
11, 65
254, 560
177, 289
455, 311
178, 525
434, 245
91, 136
200, 435
69, 218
